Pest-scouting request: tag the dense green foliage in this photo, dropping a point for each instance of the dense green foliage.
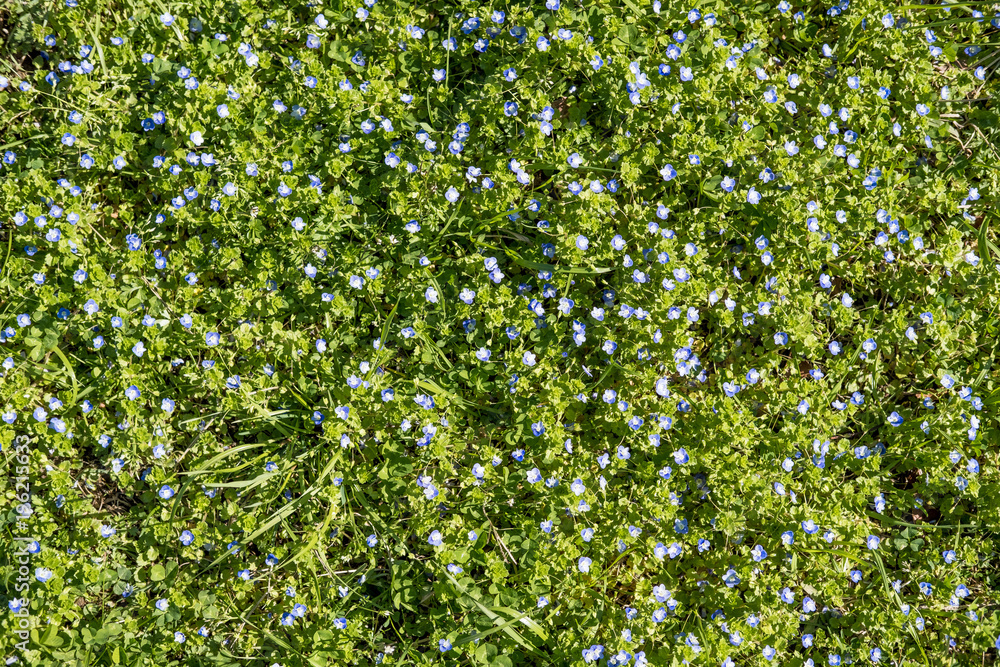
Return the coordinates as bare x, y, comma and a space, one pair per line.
449, 332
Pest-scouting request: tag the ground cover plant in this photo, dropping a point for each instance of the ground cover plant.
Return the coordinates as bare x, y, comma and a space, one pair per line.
612, 333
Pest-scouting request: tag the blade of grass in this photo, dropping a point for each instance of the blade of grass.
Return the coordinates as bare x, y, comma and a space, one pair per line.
892, 595
505, 627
